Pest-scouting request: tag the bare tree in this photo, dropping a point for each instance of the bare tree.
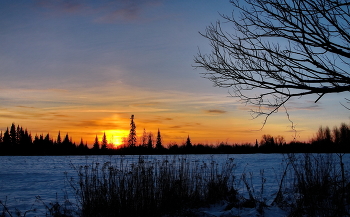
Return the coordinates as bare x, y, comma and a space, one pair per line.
275, 50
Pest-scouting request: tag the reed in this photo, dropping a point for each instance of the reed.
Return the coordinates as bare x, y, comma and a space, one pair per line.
152, 188
320, 186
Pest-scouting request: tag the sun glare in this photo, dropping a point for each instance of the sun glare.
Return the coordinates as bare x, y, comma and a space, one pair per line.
115, 137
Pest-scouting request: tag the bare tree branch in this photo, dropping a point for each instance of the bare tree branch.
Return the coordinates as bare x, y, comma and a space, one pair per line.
269, 51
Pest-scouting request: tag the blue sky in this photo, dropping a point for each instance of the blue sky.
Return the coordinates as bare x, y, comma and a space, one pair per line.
83, 67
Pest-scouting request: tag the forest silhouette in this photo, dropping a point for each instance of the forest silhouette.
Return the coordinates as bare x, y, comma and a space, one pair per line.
18, 141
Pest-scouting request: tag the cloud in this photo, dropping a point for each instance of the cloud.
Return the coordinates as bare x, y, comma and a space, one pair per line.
291, 106
175, 127
31, 113
185, 125
146, 104
215, 111
313, 107
61, 116
155, 120
28, 107
98, 124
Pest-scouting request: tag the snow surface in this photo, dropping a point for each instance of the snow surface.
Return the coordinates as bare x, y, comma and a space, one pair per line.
22, 178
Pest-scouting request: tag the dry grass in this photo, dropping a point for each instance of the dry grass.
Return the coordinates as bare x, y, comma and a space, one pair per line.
320, 186
152, 188
317, 185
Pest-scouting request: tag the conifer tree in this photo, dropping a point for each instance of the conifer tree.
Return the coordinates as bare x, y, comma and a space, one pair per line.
150, 140
188, 142
6, 139
132, 134
13, 134
96, 145
59, 140
36, 140
159, 141
81, 145
19, 133
104, 142
66, 140
28, 136
47, 138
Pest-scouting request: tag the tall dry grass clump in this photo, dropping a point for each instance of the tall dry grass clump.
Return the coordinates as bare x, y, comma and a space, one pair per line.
152, 187
321, 186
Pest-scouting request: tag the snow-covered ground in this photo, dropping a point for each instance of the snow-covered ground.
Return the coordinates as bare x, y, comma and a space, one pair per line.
23, 178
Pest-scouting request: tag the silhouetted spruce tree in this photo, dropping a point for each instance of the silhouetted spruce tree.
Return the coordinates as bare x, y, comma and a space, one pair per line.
36, 139
66, 141
13, 135
59, 140
48, 145
18, 135
81, 145
68, 147
6, 142
104, 142
21, 139
132, 134
188, 142
159, 141
150, 140
28, 137
96, 145
38, 145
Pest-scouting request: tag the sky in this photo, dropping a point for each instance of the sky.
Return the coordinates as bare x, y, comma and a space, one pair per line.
84, 67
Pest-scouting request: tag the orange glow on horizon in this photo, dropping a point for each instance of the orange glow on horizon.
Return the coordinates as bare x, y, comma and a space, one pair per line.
115, 137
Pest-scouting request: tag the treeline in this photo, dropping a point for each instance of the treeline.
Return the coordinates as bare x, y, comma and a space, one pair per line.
18, 141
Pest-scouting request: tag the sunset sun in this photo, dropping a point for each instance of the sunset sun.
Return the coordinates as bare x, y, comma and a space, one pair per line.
115, 137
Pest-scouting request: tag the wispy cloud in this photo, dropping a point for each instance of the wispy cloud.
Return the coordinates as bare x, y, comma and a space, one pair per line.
29, 112
28, 107
215, 111
175, 127
309, 107
291, 106
96, 124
